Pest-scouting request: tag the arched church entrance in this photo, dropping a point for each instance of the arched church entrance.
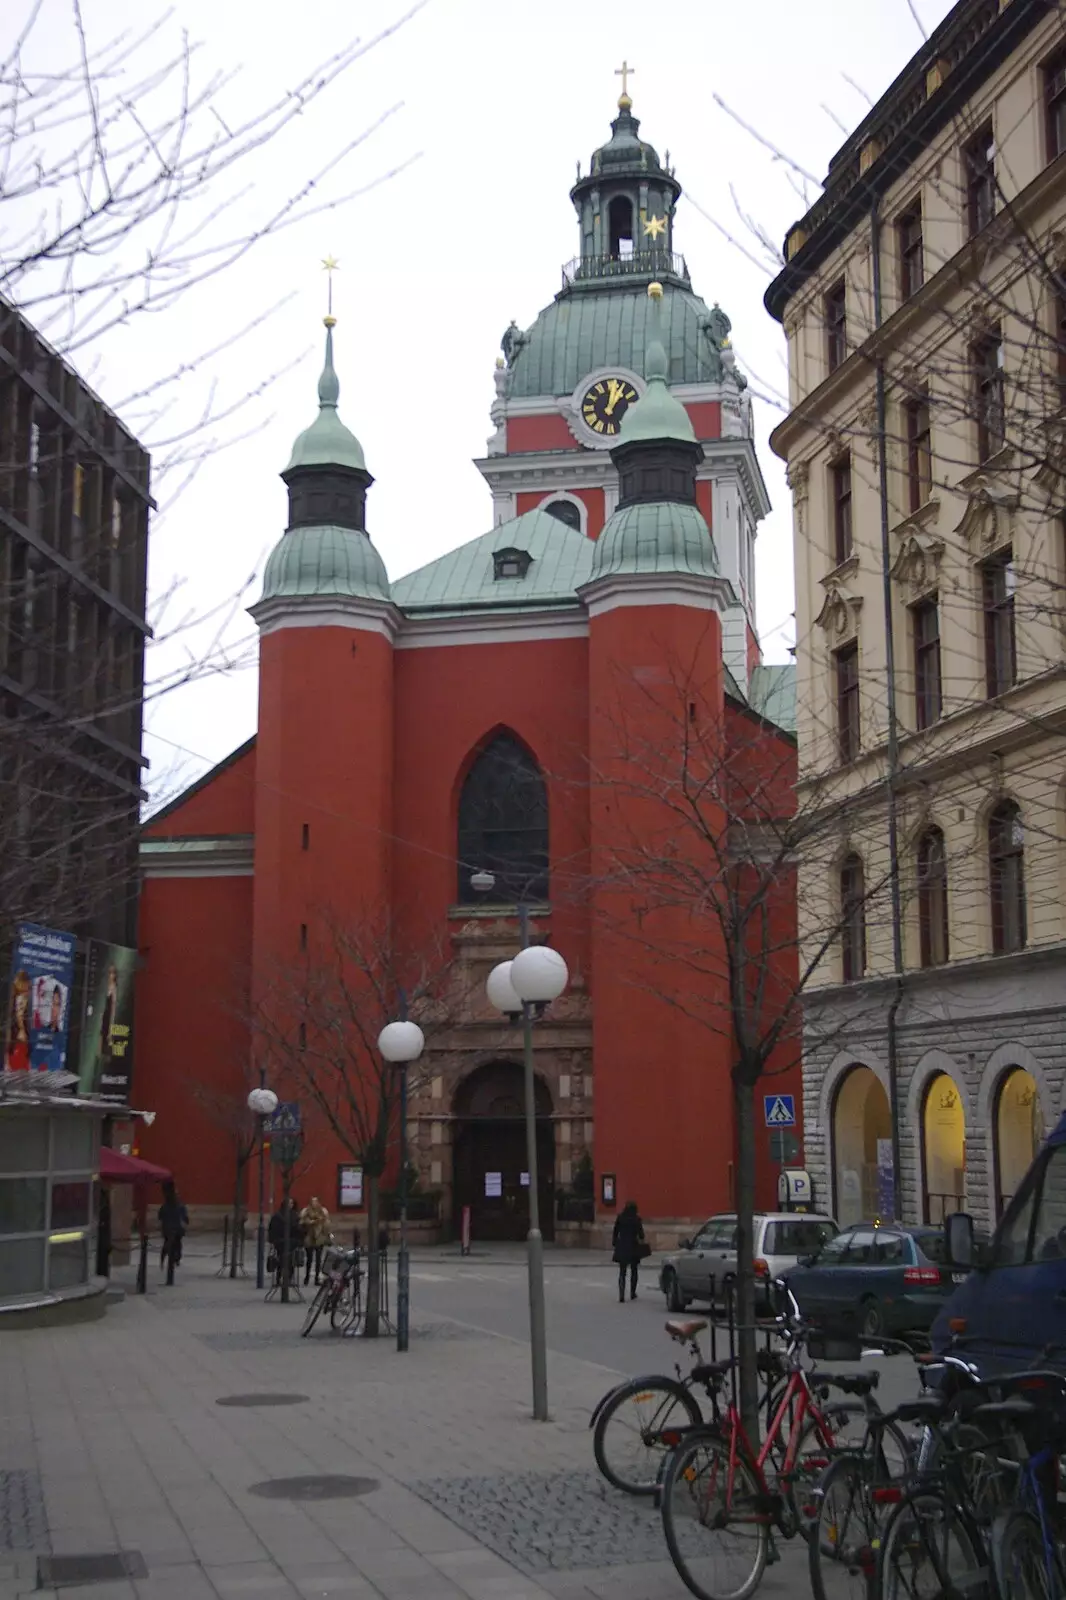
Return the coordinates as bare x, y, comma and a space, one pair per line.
1019, 1130
861, 1118
491, 1169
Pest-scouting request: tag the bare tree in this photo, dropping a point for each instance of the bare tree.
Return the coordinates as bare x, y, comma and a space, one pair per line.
697, 871
317, 1023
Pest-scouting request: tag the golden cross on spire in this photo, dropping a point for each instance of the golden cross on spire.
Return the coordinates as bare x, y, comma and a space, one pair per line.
624, 72
330, 265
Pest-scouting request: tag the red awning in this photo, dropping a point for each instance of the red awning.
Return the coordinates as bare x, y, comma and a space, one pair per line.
130, 1169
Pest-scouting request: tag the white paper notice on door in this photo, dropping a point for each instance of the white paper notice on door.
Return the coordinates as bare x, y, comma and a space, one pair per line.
493, 1185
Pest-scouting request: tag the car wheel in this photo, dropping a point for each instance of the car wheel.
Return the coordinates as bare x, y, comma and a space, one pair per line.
675, 1300
871, 1320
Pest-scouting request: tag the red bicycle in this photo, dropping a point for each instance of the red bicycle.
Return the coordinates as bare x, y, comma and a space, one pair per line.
722, 1499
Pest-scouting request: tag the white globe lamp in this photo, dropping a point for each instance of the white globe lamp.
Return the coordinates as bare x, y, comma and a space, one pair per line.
501, 991
538, 974
401, 1042
264, 1102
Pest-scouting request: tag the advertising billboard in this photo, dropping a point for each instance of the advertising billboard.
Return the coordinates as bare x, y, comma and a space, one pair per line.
106, 1063
38, 1008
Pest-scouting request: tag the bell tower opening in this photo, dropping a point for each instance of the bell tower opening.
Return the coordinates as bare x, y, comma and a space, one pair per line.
620, 227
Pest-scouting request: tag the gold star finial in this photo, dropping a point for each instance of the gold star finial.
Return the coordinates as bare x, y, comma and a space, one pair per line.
624, 72
330, 265
654, 226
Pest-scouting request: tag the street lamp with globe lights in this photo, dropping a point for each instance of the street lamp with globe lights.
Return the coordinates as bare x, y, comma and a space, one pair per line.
401, 1043
524, 987
263, 1103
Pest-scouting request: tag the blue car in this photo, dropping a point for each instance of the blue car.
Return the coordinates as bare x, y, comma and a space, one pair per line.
1010, 1311
876, 1279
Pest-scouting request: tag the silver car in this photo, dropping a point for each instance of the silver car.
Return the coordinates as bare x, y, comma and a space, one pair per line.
711, 1257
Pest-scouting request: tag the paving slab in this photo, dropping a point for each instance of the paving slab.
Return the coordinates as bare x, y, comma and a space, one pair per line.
117, 1442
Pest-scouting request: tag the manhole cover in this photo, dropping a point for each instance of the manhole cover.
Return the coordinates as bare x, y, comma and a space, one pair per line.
335, 1487
55, 1571
262, 1400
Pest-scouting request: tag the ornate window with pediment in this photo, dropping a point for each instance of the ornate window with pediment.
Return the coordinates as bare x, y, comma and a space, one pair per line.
918, 427
503, 824
846, 665
1006, 878
998, 584
852, 918
840, 493
932, 898
925, 622
986, 361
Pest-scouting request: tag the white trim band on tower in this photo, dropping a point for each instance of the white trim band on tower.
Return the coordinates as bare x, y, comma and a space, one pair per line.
619, 589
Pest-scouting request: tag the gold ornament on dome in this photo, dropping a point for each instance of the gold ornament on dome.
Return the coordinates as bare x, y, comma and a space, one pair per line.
654, 226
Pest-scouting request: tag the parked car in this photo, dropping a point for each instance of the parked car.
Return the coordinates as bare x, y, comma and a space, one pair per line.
1010, 1309
780, 1238
874, 1279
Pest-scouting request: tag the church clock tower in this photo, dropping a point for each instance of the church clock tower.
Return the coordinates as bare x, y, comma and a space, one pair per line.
565, 384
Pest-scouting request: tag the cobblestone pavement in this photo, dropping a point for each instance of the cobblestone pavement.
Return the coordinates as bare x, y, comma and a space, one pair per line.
117, 1424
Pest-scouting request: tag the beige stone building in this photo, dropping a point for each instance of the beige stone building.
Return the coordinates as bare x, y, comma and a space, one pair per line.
924, 303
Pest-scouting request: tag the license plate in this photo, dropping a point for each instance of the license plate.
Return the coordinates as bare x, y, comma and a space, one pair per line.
958, 1277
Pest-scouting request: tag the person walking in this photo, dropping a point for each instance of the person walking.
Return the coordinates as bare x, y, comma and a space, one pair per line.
629, 1248
317, 1231
173, 1221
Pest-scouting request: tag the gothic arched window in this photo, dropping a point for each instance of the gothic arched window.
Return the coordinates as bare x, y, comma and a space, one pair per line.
503, 824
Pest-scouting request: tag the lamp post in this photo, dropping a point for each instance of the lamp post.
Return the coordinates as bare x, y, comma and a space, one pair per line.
263, 1102
523, 988
400, 1044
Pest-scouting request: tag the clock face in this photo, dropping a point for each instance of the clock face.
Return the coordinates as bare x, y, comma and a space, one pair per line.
605, 403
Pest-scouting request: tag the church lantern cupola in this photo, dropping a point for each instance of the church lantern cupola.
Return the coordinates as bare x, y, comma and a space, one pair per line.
326, 476
625, 207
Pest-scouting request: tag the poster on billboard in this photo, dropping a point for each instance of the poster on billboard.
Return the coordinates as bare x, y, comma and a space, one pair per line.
38, 1009
107, 1035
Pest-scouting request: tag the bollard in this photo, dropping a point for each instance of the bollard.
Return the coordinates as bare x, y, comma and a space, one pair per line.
225, 1243
142, 1266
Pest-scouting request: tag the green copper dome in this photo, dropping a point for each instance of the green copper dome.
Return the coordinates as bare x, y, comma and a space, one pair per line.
666, 536
325, 561
657, 414
327, 442
605, 328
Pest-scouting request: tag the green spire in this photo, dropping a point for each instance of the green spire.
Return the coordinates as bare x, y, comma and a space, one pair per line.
327, 442
656, 415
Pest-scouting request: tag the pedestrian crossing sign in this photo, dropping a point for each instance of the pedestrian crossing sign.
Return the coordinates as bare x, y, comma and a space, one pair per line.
779, 1110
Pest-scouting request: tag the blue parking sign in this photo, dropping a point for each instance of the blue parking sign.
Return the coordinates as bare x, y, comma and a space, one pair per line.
779, 1110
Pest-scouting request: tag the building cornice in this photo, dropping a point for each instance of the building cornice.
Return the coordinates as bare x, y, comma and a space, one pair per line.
616, 590
934, 86
919, 979
214, 856
326, 611
420, 632
930, 300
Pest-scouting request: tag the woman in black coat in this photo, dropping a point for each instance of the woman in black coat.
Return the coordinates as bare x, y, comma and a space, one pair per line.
627, 1238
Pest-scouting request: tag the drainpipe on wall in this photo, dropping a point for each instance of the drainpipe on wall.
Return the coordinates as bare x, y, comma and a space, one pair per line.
893, 726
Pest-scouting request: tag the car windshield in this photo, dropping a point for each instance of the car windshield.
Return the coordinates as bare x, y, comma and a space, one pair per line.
803, 1236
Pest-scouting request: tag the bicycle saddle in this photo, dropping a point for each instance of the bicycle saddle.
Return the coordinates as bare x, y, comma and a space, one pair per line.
850, 1382
685, 1330
926, 1408
1014, 1408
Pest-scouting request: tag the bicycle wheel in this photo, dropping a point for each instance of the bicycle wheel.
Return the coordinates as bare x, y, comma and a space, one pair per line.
931, 1551
1020, 1561
314, 1310
628, 1441
844, 1531
353, 1319
716, 1531
341, 1308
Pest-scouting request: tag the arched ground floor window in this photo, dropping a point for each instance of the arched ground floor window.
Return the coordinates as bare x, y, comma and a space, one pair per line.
861, 1118
1019, 1128
943, 1149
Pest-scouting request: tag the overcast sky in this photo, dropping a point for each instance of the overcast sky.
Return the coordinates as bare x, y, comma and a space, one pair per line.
496, 104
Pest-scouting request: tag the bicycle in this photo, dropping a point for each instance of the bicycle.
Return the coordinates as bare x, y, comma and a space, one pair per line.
721, 1497
340, 1293
651, 1412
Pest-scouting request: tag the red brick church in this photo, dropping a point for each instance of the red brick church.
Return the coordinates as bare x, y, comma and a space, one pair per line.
493, 713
